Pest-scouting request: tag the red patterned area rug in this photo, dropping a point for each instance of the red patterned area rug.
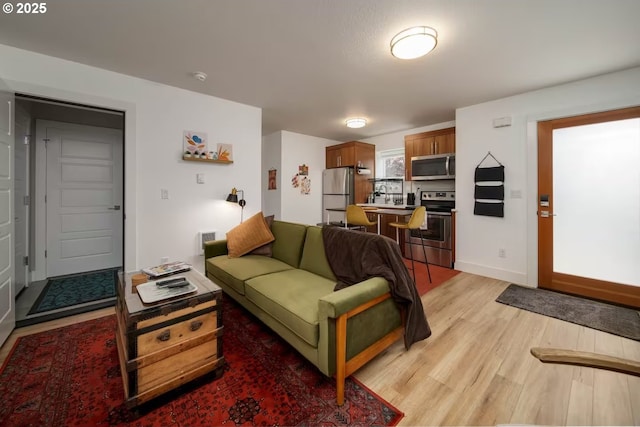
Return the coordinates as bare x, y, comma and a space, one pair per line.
71, 377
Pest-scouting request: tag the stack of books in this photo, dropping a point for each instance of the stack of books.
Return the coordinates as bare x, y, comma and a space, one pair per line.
166, 269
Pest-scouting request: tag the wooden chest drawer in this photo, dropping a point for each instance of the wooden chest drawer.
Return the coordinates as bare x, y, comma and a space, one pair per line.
158, 373
171, 333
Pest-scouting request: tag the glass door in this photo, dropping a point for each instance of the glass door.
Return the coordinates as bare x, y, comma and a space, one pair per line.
589, 205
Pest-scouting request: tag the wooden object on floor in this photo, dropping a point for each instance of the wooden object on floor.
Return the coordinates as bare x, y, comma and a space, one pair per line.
583, 358
164, 345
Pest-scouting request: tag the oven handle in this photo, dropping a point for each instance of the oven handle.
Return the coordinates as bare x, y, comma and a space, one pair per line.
438, 213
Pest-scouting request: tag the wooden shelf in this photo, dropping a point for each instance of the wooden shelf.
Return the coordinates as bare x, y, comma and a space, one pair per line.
196, 159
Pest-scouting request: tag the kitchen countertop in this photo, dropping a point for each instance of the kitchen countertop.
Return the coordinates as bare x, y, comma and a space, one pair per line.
396, 212
386, 206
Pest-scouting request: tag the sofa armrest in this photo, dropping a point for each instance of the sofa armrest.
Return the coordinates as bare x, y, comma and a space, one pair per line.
215, 248
345, 300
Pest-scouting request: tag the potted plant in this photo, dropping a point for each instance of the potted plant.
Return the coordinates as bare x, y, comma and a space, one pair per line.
187, 154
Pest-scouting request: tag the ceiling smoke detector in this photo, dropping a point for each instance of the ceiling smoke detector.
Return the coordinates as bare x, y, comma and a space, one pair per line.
199, 75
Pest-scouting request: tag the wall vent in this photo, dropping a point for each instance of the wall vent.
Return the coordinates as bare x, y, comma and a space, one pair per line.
205, 236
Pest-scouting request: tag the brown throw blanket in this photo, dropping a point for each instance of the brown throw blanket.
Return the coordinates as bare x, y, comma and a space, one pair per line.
355, 256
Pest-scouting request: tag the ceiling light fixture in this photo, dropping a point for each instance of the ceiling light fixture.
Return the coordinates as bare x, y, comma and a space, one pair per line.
356, 122
414, 42
199, 75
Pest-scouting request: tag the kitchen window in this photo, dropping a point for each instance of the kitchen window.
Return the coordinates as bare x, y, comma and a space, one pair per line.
390, 163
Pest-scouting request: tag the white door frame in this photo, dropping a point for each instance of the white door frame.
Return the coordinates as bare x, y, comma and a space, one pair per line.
7, 275
22, 131
51, 90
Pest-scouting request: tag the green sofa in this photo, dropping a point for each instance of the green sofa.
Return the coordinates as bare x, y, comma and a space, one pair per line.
292, 293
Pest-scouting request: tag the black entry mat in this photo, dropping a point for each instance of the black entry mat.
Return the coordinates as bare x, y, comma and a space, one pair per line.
610, 318
76, 289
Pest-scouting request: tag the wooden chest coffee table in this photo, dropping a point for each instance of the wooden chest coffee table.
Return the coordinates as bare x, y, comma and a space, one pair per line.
166, 344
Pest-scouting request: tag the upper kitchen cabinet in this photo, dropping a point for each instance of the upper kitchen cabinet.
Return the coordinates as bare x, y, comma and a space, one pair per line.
441, 141
352, 153
359, 155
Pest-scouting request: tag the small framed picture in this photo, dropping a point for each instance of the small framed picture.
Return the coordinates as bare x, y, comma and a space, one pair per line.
194, 144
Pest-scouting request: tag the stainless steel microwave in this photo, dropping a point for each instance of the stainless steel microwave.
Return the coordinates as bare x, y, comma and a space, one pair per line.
438, 166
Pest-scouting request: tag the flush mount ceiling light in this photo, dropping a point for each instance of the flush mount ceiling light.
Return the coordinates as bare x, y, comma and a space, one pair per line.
414, 42
356, 122
199, 75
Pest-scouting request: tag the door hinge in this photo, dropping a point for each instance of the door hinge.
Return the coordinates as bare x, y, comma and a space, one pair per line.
27, 200
27, 139
45, 253
45, 198
26, 260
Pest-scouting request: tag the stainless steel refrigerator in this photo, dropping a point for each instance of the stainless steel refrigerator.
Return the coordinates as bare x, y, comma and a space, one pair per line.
337, 193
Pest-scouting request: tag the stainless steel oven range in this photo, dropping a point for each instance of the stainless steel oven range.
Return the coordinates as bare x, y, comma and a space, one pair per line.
436, 230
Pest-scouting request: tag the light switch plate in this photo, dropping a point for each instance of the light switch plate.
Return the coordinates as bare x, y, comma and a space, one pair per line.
200, 178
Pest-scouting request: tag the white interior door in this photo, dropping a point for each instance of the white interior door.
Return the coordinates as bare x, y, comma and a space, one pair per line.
83, 198
7, 297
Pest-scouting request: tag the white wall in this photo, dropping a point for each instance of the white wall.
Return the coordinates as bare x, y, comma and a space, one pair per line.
298, 149
156, 116
478, 237
272, 159
286, 151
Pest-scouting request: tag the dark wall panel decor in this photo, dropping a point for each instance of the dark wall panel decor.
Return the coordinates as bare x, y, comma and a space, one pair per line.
489, 189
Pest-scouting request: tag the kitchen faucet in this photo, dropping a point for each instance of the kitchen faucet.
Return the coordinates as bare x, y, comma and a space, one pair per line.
386, 196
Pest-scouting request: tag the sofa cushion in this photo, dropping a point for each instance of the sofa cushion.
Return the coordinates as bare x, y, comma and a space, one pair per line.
289, 240
291, 297
266, 250
234, 271
249, 235
313, 257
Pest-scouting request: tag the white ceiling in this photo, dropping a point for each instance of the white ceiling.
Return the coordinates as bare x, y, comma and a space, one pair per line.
310, 64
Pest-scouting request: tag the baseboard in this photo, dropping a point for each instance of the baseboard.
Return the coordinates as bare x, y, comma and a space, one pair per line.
494, 273
65, 312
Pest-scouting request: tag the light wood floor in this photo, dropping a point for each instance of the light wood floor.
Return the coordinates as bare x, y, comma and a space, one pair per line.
476, 368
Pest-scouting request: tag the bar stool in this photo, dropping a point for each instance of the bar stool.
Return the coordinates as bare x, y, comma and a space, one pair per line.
414, 223
356, 216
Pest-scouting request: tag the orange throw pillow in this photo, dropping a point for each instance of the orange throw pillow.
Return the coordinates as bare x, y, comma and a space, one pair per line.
249, 235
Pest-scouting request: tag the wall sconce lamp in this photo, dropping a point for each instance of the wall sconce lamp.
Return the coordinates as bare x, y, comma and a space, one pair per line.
233, 198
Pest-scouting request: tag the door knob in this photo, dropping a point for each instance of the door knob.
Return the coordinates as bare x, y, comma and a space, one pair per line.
115, 208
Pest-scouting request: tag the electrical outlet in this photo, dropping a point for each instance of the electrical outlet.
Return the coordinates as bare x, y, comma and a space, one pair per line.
164, 260
164, 193
200, 178
502, 253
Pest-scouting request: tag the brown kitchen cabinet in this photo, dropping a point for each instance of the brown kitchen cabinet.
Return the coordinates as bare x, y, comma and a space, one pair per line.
341, 155
358, 155
441, 141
